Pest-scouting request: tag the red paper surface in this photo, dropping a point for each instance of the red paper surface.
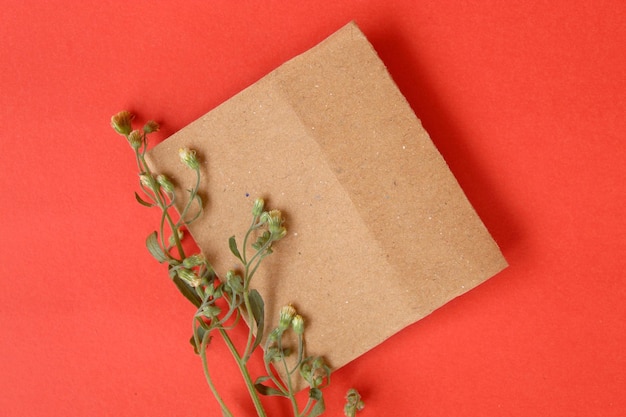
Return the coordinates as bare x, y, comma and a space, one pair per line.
525, 102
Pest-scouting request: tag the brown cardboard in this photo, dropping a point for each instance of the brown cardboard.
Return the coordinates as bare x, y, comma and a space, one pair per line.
380, 233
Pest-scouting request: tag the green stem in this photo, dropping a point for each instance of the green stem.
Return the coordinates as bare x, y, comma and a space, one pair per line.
292, 398
246, 290
260, 254
267, 361
307, 407
192, 196
300, 354
251, 322
252, 227
143, 166
244, 372
205, 367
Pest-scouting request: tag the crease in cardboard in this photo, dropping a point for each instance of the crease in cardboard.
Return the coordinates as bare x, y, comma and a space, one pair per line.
380, 232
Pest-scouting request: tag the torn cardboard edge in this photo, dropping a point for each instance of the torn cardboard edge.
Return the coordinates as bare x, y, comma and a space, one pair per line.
380, 233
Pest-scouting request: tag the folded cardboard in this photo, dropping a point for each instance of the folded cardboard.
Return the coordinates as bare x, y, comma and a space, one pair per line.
379, 232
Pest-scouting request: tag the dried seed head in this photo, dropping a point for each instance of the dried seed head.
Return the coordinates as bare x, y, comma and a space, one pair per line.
165, 183
147, 181
151, 126
286, 315
121, 122
297, 323
188, 157
189, 277
134, 139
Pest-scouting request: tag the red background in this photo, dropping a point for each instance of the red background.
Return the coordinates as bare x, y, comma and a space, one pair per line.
526, 102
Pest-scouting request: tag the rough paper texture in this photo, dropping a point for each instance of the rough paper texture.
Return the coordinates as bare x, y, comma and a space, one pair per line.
380, 233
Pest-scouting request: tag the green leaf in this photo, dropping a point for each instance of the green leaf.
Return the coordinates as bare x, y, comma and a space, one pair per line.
262, 379
258, 311
152, 243
201, 332
187, 291
142, 201
232, 243
319, 406
269, 391
316, 394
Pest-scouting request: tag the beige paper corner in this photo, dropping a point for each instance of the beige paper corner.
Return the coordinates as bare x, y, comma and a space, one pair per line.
380, 233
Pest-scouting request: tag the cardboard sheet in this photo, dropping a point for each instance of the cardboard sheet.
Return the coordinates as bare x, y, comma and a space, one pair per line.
379, 232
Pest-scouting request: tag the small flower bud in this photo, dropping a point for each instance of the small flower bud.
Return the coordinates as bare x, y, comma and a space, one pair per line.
151, 126
354, 403
165, 183
188, 157
286, 315
279, 234
148, 181
211, 311
234, 281
257, 208
297, 323
193, 260
274, 335
306, 371
318, 363
121, 122
274, 220
134, 139
189, 277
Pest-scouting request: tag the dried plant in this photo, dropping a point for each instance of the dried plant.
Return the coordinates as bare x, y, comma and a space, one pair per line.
223, 300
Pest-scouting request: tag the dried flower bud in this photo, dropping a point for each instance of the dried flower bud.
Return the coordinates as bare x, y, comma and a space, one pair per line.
279, 234
353, 403
306, 371
148, 181
297, 323
193, 260
274, 336
318, 363
313, 370
165, 183
257, 208
151, 126
121, 122
189, 277
234, 281
286, 315
188, 157
211, 311
134, 139
274, 220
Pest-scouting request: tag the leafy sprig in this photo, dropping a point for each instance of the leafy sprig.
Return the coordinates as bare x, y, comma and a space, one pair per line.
222, 302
